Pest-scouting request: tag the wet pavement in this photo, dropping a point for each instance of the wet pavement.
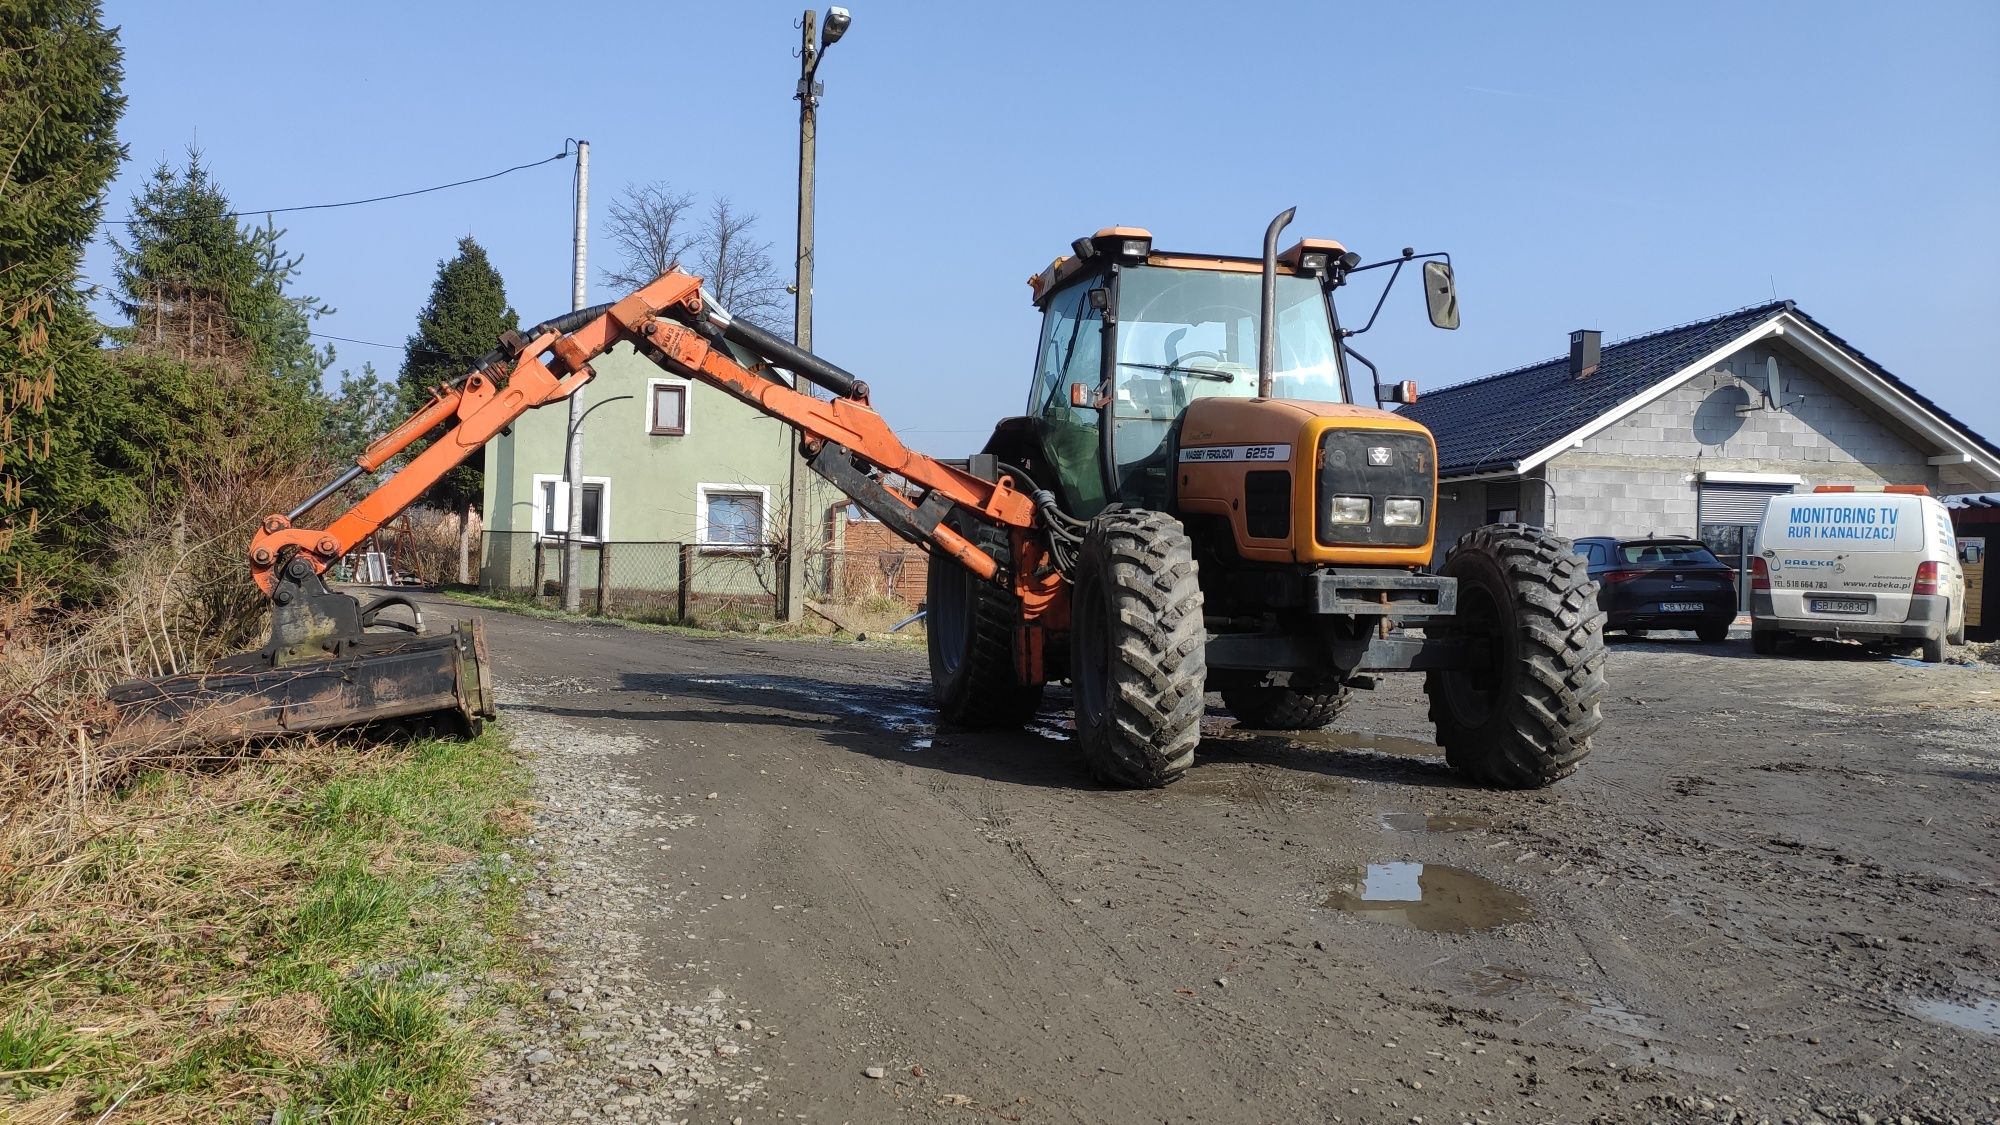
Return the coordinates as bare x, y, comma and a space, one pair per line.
1768, 892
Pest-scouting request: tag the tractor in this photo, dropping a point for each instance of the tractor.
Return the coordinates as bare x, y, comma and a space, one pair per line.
1235, 520
1194, 500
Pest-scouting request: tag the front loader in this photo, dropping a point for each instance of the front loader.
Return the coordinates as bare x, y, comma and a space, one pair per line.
1193, 501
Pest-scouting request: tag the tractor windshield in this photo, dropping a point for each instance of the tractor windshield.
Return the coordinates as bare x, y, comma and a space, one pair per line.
1185, 334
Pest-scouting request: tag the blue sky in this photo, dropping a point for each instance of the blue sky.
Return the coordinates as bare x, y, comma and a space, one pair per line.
1621, 167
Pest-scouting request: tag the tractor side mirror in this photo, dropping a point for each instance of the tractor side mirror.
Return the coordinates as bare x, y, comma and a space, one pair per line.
1100, 298
1403, 393
1440, 294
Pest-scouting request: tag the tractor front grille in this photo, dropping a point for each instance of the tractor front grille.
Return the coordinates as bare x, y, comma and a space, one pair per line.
1351, 464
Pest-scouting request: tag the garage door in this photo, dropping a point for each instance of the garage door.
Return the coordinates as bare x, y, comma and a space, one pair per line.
1737, 503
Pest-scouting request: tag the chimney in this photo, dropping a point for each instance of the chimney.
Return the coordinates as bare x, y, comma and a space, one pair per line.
1584, 347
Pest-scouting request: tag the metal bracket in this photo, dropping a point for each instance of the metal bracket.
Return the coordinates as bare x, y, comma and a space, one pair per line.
836, 464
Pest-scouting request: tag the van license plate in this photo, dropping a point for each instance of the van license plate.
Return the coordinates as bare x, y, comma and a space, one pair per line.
1681, 607
1841, 605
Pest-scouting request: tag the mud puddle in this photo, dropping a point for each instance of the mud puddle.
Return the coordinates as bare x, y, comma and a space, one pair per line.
915, 723
1431, 897
1981, 1015
1433, 822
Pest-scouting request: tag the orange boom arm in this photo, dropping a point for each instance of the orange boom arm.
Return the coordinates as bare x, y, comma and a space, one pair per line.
667, 322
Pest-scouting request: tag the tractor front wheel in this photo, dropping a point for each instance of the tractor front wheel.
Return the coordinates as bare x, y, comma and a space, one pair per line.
969, 629
1139, 661
1521, 716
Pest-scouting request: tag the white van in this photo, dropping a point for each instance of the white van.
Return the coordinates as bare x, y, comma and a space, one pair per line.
1880, 567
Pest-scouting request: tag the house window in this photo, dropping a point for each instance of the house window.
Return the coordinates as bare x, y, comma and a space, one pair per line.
667, 415
733, 517
552, 507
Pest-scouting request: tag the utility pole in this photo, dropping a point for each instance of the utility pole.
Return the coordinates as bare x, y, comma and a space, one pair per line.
572, 595
798, 521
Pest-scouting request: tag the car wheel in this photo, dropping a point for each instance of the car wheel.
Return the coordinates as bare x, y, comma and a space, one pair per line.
1712, 632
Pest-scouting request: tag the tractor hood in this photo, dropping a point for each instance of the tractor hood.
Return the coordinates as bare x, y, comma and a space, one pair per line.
1274, 468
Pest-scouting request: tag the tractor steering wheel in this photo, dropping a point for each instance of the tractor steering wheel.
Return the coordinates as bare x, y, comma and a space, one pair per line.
1180, 361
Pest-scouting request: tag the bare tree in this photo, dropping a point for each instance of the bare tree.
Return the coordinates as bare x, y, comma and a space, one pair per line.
738, 268
651, 225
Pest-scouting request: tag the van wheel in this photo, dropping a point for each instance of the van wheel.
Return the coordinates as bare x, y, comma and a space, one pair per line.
1764, 642
1933, 650
1957, 636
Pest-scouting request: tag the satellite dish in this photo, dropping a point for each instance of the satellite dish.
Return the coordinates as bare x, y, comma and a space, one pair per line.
1773, 391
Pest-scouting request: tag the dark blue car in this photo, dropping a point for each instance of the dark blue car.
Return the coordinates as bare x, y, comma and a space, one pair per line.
1662, 582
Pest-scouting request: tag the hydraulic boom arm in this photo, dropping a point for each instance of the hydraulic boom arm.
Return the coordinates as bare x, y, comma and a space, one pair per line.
669, 322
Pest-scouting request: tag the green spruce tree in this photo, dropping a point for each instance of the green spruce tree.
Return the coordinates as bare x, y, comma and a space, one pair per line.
462, 321
60, 70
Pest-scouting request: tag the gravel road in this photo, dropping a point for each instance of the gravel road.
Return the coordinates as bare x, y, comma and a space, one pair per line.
765, 887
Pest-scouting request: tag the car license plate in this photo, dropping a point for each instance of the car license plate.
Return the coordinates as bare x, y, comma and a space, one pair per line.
1681, 607
1841, 605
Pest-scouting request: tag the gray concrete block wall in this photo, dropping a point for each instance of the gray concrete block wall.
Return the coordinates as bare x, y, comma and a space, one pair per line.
1701, 425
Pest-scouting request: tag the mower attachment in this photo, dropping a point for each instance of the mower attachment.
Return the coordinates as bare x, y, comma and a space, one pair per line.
320, 671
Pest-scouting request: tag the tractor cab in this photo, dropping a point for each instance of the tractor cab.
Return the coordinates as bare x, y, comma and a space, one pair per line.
1133, 338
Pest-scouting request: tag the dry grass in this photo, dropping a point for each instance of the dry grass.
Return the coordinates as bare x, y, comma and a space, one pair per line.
270, 933
282, 936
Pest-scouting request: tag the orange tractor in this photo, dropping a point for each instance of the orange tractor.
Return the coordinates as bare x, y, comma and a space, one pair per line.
1193, 501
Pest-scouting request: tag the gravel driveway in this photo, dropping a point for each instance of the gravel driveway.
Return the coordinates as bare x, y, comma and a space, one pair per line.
766, 888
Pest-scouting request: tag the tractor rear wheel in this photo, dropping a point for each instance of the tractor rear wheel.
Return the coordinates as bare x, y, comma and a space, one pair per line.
1299, 706
1139, 661
1522, 717
969, 629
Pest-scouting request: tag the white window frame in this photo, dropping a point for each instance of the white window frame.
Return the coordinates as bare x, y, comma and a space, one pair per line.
687, 407
562, 505
701, 525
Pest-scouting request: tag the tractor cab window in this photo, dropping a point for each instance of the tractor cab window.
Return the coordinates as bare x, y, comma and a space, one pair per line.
1072, 352
1186, 334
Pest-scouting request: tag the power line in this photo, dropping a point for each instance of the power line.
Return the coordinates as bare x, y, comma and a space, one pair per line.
372, 199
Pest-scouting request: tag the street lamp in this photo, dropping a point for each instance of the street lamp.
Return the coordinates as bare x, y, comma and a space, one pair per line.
797, 525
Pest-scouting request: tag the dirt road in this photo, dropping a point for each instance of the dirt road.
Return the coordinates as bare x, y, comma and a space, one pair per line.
1773, 891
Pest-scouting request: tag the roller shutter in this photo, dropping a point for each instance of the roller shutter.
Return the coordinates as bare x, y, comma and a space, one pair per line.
1737, 503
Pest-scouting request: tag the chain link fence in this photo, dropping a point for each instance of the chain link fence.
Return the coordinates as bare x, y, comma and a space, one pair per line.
713, 585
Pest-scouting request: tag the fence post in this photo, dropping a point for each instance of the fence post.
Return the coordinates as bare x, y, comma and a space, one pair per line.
686, 584
603, 579
535, 591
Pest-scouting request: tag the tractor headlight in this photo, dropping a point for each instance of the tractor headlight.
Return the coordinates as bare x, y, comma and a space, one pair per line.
1349, 509
1403, 513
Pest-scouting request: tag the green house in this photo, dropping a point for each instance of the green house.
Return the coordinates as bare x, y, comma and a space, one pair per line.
666, 463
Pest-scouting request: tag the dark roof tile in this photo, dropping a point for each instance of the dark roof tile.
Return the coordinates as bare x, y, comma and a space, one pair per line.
1490, 423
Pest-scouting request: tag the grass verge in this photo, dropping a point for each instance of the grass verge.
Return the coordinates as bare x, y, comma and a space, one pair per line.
314, 935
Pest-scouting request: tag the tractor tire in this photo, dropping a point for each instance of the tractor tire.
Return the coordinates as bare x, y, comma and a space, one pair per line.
969, 629
1139, 658
1524, 720
1276, 707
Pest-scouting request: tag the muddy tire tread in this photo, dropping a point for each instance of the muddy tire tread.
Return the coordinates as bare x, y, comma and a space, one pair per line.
1541, 732
986, 695
1277, 707
1158, 650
